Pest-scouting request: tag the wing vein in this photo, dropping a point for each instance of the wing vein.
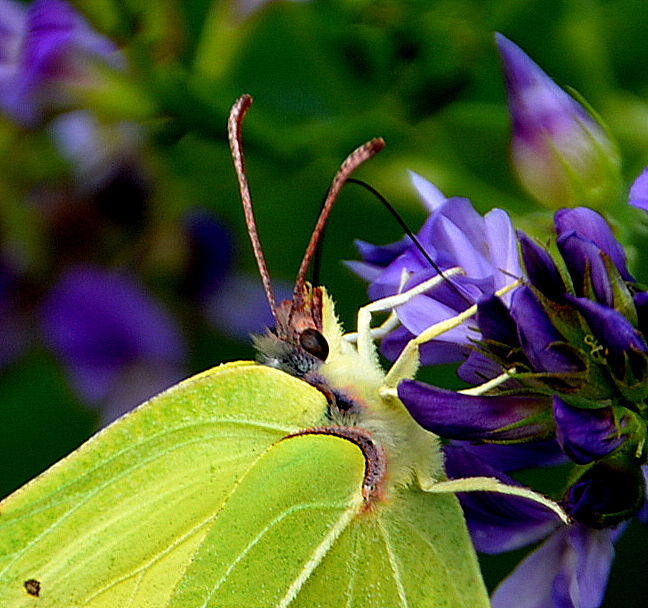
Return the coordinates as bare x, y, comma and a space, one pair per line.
448, 574
278, 519
90, 495
402, 595
353, 566
320, 552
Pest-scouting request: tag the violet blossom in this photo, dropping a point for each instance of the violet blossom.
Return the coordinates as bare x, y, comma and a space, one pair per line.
232, 301
118, 344
453, 235
579, 375
568, 345
46, 48
561, 154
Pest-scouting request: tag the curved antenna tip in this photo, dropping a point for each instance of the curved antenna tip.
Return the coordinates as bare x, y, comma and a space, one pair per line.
236, 115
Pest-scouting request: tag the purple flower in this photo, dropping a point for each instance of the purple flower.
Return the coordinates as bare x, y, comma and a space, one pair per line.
43, 49
499, 523
586, 434
476, 418
624, 347
543, 344
580, 381
569, 570
454, 235
571, 567
233, 302
590, 227
118, 344
210, 249
639, 191
562, 156
96, 150
541, 269
581, 355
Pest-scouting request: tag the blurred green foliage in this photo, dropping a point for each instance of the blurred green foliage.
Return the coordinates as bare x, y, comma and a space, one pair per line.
326, 75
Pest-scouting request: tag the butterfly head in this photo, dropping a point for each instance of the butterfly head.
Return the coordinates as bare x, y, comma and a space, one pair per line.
305, 325
297, 344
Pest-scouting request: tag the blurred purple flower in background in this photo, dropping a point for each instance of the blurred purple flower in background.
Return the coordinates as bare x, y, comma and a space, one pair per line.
233, 302
118, 344
45, 48
105, 237
96, 150
638, 196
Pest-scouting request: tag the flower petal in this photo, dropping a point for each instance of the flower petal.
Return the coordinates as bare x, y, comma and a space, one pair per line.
538, 336
430, 353
623, 343
496, 522
561, 154
541, 269
495, 321
514, 456
503, 249
569, 570
431, 196
589, 224
585, 434
459, 416
382, 255
586, 267
639, 191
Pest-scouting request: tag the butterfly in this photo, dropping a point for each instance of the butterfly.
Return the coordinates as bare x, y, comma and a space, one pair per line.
299, 480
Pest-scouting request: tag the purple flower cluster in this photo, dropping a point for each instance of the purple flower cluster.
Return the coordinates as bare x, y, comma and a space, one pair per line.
565, 352
453, 235
578, 364
570, 338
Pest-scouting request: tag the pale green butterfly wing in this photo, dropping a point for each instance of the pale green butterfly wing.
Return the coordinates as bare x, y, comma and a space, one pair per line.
291, 506
413, 552
131, 506
198, 499
313, 545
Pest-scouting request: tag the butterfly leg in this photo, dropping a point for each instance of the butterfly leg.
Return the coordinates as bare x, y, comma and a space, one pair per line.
491, 484
365, 336
408, 361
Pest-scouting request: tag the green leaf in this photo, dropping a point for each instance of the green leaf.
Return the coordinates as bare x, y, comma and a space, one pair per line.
204, 497
153, 25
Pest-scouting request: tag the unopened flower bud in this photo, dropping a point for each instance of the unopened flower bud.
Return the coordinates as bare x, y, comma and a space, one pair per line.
561, 154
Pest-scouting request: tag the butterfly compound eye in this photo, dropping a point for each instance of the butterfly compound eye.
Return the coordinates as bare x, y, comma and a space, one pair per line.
314, 343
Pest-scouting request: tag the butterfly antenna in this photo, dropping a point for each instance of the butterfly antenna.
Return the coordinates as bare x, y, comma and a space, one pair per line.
352, 162
236, 146
410, 234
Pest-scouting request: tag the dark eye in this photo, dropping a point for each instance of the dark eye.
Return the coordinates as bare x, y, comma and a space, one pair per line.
314, 343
